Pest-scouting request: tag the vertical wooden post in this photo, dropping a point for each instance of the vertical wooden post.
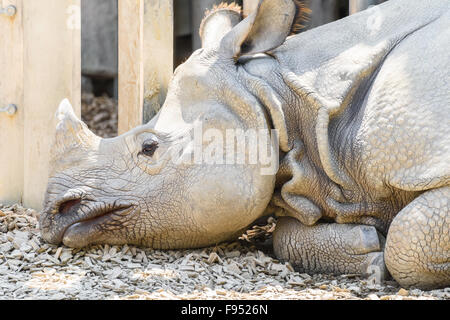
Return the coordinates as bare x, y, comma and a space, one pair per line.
145, 59
43, 51
130, 13
52, 72
11, 88
158, 54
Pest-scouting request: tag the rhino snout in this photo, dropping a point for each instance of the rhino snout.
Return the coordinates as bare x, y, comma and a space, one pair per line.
77, 222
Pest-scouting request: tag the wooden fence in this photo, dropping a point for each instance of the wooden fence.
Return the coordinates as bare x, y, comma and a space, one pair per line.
40, 56
39, 66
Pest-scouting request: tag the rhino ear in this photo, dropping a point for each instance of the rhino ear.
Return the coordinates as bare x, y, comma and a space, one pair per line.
264, 29
218, 22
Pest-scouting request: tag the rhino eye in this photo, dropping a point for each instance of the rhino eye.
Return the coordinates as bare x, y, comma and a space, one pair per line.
149, 148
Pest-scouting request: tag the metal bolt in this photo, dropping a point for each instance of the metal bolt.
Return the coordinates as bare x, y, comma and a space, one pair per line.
10, 109
9, 11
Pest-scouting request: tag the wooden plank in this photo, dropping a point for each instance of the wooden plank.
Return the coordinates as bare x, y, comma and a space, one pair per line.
52, 62
145, 59
158, 54
11, 88
131, 92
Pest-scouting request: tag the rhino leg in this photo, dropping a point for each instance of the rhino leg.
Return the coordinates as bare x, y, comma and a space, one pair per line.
418, 245
330, 248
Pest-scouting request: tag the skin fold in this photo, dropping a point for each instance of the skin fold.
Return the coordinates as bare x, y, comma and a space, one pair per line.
361, 109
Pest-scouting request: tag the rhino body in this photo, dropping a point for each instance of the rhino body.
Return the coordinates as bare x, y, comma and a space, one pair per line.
361, 108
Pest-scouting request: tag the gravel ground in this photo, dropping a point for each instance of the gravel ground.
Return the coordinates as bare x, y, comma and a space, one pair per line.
33, 269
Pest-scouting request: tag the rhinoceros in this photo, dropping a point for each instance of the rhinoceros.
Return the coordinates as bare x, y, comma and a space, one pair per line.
355, 113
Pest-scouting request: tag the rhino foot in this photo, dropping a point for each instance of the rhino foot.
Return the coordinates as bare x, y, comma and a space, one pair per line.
331, 248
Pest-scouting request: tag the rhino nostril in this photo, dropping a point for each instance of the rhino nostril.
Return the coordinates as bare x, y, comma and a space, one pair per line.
68, 206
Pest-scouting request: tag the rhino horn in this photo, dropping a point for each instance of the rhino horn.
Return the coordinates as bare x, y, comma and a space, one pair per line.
218, 22
70, 130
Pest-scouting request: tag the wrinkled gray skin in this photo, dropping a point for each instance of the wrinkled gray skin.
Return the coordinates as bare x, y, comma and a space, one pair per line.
362, 107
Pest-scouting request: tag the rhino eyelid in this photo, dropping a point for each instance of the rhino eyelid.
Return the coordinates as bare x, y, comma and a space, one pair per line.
148, 148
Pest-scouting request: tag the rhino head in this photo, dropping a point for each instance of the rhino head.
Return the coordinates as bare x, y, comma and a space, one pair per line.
149, 186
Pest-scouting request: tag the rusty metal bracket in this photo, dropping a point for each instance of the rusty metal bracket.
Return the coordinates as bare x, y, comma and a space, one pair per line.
9, 11
10, 109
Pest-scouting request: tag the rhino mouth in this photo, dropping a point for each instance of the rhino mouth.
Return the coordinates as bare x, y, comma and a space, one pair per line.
77, 222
